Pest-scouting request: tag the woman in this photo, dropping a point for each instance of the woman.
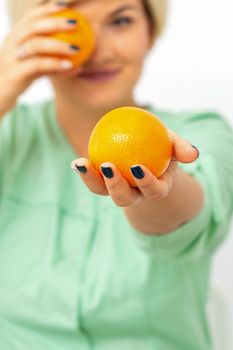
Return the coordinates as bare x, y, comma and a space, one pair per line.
88, 262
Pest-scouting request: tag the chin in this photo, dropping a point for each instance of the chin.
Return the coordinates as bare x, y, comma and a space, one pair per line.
102, 101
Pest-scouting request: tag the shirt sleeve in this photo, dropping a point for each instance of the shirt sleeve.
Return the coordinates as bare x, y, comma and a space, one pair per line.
214, 171
5, 142
13, 132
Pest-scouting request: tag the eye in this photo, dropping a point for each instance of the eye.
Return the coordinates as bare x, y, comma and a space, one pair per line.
122, 21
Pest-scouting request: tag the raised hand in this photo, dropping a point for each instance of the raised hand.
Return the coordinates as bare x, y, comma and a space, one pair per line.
27, 53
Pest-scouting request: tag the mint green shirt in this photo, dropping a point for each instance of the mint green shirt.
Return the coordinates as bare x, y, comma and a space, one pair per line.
74, 275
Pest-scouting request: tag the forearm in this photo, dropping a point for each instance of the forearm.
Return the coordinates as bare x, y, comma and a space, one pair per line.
184, 202
7, 102
3, 110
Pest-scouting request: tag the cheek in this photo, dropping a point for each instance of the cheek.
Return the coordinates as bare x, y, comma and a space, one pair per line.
133, 48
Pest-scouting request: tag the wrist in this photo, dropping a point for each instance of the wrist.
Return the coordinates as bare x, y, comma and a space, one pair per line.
6, 103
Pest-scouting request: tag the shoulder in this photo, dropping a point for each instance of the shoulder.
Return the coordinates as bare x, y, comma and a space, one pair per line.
24, 118
194, 118
25, 112
211, 132
21, 127
206, 129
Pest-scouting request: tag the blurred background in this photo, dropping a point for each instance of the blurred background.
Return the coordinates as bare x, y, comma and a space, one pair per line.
190, 68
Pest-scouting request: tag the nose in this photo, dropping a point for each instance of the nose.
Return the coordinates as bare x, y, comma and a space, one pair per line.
104, 48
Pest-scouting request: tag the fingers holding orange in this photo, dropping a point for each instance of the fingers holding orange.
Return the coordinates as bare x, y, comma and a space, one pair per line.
183, 151
131, 147
110, 183
43, 26
40, 10
81, 37
118, 188
127, 136
45, 47
62, 35
152, 187
90, 176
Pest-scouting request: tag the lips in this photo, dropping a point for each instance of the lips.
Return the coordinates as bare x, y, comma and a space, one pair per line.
98, 74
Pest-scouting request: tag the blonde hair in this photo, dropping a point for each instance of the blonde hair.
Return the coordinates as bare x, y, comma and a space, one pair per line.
157, 12
155, 9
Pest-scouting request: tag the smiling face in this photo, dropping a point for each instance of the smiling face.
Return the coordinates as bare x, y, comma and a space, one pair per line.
108, 78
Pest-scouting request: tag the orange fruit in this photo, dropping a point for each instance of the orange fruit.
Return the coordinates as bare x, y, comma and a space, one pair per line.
128, 136
82, 36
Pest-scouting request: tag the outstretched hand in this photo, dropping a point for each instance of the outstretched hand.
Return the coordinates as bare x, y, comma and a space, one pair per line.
148, 186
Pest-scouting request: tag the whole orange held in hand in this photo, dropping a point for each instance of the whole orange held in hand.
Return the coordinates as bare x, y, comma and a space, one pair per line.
129, 136
82, 36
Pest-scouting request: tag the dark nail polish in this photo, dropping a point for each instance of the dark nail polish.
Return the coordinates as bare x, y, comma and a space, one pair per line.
81, 168
72, 21
137, 172
107, 171
74, 47
198, 153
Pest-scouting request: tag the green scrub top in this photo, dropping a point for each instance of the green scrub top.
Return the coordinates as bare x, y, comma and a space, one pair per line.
74, 274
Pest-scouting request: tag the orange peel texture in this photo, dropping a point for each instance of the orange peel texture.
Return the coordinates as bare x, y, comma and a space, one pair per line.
128, 136
82, 36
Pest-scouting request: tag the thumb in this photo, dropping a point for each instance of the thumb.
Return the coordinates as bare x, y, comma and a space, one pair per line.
183, 151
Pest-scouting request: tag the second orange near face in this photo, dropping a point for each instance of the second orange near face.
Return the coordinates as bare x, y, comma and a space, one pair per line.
82, 36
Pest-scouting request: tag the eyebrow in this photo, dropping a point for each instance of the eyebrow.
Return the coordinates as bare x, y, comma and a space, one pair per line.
114, 13
121, 9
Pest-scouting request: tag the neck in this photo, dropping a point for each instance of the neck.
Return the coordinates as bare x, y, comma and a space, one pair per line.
78, 121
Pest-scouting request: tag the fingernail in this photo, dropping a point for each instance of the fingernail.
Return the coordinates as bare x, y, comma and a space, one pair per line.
81, 168
74, 47
198, 153
107, 171
71, 21
137, 172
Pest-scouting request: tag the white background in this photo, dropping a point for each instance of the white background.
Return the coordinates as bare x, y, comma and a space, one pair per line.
191, 67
